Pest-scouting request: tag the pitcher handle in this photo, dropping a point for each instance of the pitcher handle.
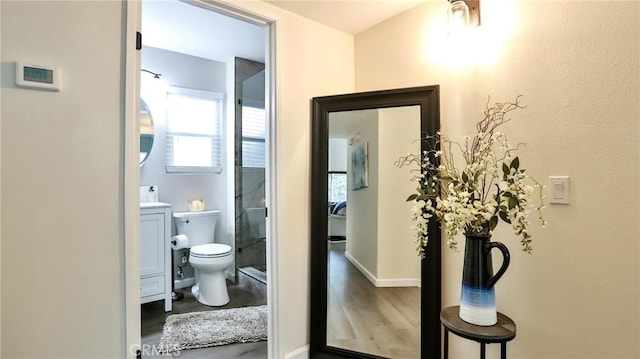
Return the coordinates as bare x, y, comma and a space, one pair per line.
505, 261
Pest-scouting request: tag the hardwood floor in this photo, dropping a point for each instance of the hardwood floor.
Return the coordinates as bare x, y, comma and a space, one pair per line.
153, 318
361, 317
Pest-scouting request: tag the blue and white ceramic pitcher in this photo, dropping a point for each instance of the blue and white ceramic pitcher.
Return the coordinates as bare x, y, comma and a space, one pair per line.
478, 298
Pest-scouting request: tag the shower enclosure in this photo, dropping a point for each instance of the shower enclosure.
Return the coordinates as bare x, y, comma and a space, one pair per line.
250, 209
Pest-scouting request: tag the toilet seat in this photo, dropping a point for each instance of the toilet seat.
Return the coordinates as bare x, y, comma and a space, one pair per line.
213, 250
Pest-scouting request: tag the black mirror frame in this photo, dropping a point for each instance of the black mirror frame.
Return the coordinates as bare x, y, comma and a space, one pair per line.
428, 98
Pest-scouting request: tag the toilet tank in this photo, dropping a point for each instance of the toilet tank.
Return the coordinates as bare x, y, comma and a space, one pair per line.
199, 227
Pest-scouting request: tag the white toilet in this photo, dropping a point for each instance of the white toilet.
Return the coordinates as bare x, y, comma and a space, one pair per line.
208, 259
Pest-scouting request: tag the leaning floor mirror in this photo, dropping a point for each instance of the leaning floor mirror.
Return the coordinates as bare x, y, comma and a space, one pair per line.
371, 296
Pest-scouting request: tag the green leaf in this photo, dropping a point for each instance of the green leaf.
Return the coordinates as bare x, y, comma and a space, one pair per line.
493, 222
513, 202
515, 164
412, 197
504, 217
465, 178
505, 169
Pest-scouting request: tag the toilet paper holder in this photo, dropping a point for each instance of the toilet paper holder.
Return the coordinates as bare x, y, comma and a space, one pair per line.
179, 241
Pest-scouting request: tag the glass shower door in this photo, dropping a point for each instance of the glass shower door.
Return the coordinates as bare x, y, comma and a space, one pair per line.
251, 258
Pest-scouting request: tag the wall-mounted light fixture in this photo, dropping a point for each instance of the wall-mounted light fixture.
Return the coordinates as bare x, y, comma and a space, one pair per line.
463, 14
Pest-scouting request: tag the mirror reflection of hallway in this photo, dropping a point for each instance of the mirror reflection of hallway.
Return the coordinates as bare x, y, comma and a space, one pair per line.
363, 318
373, 303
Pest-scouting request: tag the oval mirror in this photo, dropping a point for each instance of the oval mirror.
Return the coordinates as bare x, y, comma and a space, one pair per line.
146, 131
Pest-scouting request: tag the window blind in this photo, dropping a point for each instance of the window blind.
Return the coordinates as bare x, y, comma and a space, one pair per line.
194, 130
253, 137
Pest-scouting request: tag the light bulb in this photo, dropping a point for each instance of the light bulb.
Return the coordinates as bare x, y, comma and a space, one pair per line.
458, 16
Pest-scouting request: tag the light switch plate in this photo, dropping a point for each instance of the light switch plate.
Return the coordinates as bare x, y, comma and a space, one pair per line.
558, 189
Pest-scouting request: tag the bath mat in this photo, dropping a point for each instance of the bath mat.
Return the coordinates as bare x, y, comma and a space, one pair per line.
213, 328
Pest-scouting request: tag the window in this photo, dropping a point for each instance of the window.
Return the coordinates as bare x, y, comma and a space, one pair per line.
253, 131
194, 130
337, 186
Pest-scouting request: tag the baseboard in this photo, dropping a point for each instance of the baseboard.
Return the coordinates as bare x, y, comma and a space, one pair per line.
361, 268
378, 283
300, 353
397, 282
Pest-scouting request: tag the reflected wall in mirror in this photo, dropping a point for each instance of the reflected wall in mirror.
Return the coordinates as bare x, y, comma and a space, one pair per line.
373, 300
146, 131
367, 300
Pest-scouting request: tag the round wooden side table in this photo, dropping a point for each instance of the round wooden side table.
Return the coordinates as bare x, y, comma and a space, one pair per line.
501, 332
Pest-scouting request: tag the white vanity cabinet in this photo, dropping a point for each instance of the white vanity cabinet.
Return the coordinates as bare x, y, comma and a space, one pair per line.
155, 253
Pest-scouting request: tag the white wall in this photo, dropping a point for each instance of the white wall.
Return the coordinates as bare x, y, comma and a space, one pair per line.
338, 154
184, 71
179, 70
576, 63
62, 195
398, 264
377, 225
362, 236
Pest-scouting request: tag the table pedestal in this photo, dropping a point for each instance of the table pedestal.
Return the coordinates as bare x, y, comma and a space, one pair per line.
501, 332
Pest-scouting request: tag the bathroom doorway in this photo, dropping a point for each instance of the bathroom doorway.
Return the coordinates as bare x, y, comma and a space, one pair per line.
195, 47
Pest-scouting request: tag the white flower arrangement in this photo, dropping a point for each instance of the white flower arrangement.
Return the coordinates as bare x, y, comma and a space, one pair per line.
490, 187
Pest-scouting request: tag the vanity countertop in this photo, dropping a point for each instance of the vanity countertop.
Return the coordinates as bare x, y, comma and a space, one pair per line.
154, 205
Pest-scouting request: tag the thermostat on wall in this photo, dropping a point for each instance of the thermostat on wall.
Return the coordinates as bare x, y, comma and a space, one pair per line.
37, 77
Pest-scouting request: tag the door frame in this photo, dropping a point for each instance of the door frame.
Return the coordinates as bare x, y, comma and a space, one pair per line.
131, 173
